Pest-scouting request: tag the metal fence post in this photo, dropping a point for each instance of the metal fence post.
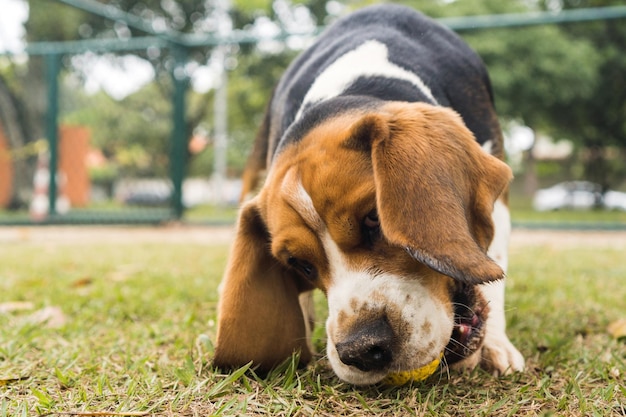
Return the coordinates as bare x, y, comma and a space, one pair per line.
53, 67
178, 155
220, 112
220, 122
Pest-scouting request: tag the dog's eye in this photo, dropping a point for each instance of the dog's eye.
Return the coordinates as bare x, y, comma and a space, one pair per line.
371, 227
304, 267
371, 220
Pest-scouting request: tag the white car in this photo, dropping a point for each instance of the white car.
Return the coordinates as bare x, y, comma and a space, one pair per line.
576, 195
614, 200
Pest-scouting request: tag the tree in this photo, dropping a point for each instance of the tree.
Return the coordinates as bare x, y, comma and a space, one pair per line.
13, 122
533, 70
248, 93
598, 123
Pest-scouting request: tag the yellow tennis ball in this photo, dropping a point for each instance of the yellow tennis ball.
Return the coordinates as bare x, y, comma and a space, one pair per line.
419, 374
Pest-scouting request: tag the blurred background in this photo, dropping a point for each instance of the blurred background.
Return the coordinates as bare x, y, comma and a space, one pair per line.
144, 111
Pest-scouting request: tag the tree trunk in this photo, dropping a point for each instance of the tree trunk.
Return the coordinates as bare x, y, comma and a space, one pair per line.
12, 115
531, 182
596, 166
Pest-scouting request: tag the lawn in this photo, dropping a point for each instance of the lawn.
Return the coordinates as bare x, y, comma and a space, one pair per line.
126, 326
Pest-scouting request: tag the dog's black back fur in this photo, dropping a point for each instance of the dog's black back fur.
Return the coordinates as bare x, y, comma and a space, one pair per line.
452, 71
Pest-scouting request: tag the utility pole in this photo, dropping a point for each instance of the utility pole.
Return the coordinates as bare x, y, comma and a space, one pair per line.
220, 115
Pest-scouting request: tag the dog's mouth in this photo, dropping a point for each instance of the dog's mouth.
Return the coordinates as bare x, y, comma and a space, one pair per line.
470, 314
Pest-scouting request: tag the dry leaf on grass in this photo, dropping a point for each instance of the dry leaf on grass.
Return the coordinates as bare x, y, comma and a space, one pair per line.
8, 381
124, 272
51, 317
83, 282
617, 329
99, 413
11, 306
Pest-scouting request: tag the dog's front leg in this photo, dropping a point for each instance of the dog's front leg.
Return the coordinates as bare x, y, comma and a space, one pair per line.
307, 304
498, 355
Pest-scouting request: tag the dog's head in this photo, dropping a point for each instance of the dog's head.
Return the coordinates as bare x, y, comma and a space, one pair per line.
388, 212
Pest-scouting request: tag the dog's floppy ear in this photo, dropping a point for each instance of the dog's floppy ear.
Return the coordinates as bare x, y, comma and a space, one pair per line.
259, 316
435, 188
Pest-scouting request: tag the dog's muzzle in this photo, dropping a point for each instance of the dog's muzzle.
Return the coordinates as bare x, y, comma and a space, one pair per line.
470, 314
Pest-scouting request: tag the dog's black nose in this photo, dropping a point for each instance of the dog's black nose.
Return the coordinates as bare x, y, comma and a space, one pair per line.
369, 348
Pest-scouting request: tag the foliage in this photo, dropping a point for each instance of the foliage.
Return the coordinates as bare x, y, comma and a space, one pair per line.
529, 69
564, 80
134, 132
598, 123
467, 7
54, 21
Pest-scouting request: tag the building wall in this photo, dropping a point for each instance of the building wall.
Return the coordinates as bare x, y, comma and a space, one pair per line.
6, 170
73, 150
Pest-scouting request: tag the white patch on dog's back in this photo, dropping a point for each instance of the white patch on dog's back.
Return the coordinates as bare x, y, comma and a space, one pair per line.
370, 59
488, 147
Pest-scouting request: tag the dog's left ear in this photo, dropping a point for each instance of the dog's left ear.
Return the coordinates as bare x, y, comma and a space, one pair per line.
435, 188
259, 315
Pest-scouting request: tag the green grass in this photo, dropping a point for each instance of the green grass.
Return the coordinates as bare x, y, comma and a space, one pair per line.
597, 217
213, 214
140, 322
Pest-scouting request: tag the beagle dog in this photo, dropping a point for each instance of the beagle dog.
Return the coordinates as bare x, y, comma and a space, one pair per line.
385, 189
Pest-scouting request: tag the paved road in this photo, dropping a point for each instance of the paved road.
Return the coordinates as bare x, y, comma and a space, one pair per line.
212, 235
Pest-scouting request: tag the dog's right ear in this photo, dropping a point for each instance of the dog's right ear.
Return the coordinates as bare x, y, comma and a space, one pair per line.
259, 315
435, 187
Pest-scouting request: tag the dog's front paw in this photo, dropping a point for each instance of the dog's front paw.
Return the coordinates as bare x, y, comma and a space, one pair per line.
500, 357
